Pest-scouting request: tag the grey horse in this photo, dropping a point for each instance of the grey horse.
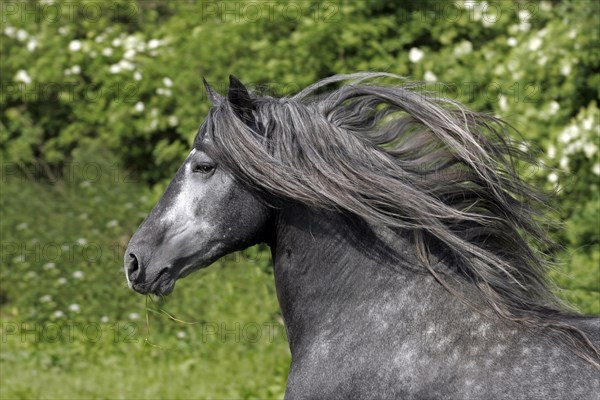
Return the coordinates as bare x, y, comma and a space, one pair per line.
405, 245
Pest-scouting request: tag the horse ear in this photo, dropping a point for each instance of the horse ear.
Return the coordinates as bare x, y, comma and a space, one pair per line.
239, 98
214, 97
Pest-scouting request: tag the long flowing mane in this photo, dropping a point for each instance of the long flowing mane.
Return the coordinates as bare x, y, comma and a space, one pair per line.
397, 156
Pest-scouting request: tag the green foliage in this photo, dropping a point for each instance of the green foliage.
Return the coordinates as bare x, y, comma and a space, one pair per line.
119, 92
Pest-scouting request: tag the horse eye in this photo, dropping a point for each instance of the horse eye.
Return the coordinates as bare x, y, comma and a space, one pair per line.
203, 168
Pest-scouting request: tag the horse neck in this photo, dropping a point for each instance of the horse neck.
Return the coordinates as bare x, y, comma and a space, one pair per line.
332, 270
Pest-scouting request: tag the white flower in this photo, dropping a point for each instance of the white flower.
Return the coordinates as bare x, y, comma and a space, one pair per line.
49, 266
564, 163
167, 82
430, 76
572, 34
78, 275
524, 26
565, 69
99, 39
104, 319
535, 43
74, 307
415, 55
551, 152
117, 42
58, 314
134, 316
596, 169
81, 241
465, 47
10, 31
590, 150
46, 299
129, 54
62, 281
32, 44
181, 335
126, 65
137, 76
164, 92
115, 69
139, 107
75, 45
512, 42
75, 69
172, 120
552, 177
154, 43
23, 76
112, 223
588, 123
22, 225
107, 51
554, 107
63, 30
524, 15
502, 102
22, 35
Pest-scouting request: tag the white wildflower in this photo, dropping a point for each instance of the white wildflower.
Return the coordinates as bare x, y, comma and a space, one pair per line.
48, 266
502, 102
590, 150
107, 51
115, 69
58, 314
465, 47
23, 76
81, 241
588, 123
167, 82
62, 281
134, 316
78, 275
552, 177
112, 223
76, 69
564, 163
430, 76
126, 65
596, 169
22, 35
512, 42
565, 69
46, 299
104, 319
172, 120
22, 225
535, 43
129, 54
181, 335
154, 43
74, 308
139, 107
10, 31
137, 76
415, 55
75, 45
553, 107
63, 30
551, 151
32, 44
117, 42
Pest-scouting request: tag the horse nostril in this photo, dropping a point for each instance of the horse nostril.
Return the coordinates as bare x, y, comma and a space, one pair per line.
133, 267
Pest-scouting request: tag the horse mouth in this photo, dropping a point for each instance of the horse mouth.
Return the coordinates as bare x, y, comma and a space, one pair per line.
162, 285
